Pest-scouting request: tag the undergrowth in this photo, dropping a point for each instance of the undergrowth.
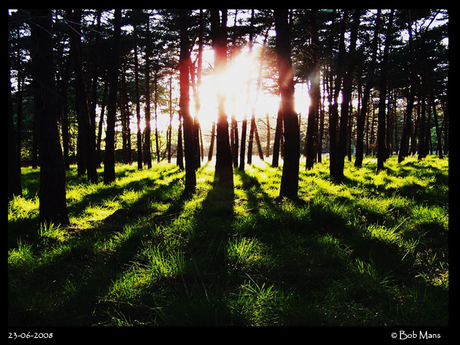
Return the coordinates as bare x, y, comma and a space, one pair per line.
370, 251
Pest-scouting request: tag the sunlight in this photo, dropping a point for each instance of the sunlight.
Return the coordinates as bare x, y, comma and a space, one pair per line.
239, 85
233, 83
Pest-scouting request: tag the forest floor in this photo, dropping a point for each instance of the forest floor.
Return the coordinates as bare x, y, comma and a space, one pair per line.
372, 251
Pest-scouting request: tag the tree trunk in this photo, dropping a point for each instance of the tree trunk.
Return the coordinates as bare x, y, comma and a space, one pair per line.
109, 162
52, 193
184, 67
277, 141
290, 176
84, 120
170, 119
365, 101
224, 170
147, 153
315, 96
138, 104
381, 146
333, 109
180, 147
406, 133
337, 174
211, 145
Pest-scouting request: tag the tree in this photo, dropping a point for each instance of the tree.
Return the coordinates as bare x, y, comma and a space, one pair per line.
85, 124
315, 96
365, 100
138, 105
404, 145
147, 131
52, 193
334, 166
290, 176
109, 162
381, 147
337, 169
224, 169
184, 67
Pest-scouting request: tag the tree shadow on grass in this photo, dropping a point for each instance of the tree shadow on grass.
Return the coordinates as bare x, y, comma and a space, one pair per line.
197, 295
71, 283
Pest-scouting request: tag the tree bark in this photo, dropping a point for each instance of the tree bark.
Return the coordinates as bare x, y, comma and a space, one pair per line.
109, 162
85, 123
224, 170
381, 146
290, 176
406, 133
365, 102
138, 104
315, 97
147, 153
337, 174
184, 67
52, 193
333, 109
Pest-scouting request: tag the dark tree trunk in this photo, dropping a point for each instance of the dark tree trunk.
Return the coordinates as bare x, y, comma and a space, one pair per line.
365, 102
290, 176
147, 153
180, 147
138, 103
406, 133
244, 126
157, 144
315, 96
224, 170
333, 109
211, 146
170, 119
85, 123
109, 162
277, 141
337, 173
184, 67
381, 146
244, 129
52, 193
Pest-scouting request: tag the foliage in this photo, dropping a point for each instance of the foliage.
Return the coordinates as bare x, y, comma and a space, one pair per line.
370, 251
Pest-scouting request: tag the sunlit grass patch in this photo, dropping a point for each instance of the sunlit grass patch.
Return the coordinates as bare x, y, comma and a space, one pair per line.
249, 253
22, 256
22, 208
53, 232
260, 304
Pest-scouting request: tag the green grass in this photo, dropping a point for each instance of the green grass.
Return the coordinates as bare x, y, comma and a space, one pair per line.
371, 251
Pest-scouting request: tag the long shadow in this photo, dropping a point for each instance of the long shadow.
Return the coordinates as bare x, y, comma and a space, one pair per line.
385, 257
91, 271
197, 296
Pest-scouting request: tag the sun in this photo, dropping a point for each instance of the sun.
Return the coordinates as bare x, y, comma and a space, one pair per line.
237, 83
